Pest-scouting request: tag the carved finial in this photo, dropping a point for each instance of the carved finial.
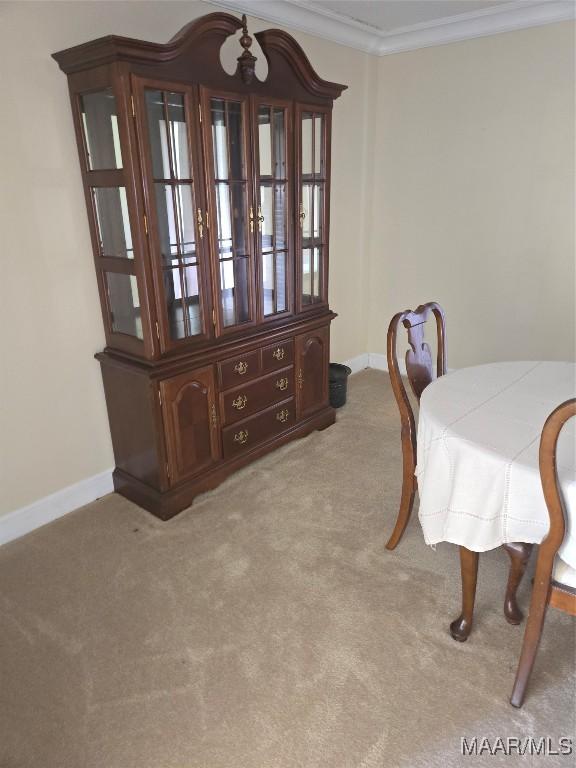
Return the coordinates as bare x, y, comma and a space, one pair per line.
247, 61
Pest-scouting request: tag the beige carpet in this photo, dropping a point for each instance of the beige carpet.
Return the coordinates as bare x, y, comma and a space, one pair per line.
265, 627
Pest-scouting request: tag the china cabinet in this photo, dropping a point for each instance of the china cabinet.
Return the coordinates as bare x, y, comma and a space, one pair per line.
208, 205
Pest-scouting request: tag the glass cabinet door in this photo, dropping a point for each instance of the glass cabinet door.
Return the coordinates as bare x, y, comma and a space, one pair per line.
107, 197
226, 131
178, 224
272, 163
313, 130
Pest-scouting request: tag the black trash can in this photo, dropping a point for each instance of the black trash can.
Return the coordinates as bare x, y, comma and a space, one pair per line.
338, 384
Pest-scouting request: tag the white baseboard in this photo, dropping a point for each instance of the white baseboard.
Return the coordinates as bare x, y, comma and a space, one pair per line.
375, 360
380, 362
359, 362
26, 519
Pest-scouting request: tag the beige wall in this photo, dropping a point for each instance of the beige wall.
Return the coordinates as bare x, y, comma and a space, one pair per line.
473, 194
452, 179
53, 423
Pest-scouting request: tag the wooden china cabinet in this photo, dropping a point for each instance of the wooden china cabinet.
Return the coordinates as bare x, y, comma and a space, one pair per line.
208, 204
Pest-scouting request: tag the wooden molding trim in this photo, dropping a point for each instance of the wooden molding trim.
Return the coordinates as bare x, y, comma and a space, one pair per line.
106, 50
206, 35
275, 41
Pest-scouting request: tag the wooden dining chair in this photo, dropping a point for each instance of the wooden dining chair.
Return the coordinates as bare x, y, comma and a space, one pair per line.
548, 588
420, 373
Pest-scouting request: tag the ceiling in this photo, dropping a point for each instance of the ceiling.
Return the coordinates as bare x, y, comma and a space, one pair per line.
390, 15
389, 26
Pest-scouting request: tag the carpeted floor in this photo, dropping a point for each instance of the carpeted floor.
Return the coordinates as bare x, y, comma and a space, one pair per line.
266, 627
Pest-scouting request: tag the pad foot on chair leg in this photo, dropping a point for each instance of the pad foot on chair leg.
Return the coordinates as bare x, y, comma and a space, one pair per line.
460, 629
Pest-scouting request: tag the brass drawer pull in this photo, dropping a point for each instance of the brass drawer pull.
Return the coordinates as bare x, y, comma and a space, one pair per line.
278, 353
240, 402
283, 415
282, 384
241, 368
241, 437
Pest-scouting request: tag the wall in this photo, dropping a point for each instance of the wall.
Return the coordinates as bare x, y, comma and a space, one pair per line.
473, 194
53, 422
452, 179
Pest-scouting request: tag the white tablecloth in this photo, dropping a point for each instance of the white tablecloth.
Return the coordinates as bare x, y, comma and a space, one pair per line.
477, 466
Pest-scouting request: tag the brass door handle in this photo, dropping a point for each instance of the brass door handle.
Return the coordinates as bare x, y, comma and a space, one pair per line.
200, 223
282, 384
279, 353
241, 437
240, 402
241, 368
302, 215
251, 217
283, 415
260, 218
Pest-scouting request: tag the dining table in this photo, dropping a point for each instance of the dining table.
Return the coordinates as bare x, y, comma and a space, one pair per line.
478, 472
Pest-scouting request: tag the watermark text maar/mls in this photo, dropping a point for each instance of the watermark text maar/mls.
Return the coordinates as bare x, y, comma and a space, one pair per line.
511, 745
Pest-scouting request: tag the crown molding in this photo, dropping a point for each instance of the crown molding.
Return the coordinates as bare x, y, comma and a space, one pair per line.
325, 23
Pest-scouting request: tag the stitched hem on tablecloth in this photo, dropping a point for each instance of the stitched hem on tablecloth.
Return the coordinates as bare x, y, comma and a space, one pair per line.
449, 510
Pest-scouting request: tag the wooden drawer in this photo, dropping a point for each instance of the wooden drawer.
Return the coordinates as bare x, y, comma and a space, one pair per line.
277, 355
240, 402
244, 435
236, 370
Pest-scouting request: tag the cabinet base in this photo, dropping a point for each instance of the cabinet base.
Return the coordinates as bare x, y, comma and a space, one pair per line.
167, 504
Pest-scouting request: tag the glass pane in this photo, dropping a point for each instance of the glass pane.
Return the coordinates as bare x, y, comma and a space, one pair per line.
279, 144
113, 222
100, 124
236, 147
185, 208
316, 273
306, 210
219, 138
307, 119
280, 217
173, 293
306, 275
224, 220
124, 304
192, 302
178, 136
281, 287
265, 141
318, 144
158, 134
268, 282
234, 290
238, 202
266, 227
175, 212
169, 161
231, 209
317, 212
